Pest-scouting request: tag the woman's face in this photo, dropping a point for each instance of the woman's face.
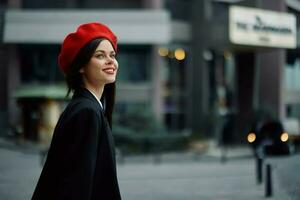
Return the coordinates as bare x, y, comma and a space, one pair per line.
102, 67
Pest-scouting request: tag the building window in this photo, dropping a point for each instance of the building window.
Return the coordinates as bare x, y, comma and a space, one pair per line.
3, 3
90, 4
292, 74
180, 10
39, 64
134, 64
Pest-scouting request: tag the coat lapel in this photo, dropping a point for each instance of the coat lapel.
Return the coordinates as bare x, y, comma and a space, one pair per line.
85, 93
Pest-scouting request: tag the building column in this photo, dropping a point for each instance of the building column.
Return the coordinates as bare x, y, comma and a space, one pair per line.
9, 78
157, 83
271, 70
271, 88
14, 3
13, 81
3, 92
156, 69
153, 4
197, 73
245, 70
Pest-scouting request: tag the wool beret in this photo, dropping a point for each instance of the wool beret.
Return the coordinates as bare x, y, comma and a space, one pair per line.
85, 33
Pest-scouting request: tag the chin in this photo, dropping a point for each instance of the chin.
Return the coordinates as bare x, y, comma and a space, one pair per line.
110, 81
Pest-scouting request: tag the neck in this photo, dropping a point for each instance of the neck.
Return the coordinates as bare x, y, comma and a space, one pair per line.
95, 90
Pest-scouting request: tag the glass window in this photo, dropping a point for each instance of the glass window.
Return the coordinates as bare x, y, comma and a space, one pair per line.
179, 9
39, 63
36, 4
137, 117
3, 3
134, 64
90, 4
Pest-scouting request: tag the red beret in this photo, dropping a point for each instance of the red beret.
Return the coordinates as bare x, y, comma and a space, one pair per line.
83, 35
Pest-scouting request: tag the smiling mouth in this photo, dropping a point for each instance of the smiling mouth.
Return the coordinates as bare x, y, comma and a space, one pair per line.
109, 70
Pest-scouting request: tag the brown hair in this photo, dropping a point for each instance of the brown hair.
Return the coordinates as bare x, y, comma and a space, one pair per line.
74, 78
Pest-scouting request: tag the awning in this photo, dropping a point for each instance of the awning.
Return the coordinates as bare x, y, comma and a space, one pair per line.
41, 91
51, 26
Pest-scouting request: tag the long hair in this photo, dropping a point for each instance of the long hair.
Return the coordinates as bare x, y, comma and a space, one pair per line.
75, 81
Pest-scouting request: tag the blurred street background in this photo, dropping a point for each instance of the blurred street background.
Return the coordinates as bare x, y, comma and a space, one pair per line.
176, 176
208, 94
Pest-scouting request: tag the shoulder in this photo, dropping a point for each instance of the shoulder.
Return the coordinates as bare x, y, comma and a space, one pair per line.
82, 107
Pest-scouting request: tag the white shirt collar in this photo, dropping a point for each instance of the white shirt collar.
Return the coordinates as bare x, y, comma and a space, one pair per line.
97, 99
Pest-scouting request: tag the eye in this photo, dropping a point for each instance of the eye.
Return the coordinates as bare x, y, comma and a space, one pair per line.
113, 55
100, 55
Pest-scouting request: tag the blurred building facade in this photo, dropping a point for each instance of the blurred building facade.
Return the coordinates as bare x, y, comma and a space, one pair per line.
244, 54
177, 58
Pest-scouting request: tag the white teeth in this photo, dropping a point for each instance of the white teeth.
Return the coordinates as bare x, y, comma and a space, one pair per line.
109, 70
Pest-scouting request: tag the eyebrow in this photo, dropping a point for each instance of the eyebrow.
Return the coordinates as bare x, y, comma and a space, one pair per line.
102, 51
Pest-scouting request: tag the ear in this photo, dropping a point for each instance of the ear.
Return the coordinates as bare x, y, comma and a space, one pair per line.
81, 70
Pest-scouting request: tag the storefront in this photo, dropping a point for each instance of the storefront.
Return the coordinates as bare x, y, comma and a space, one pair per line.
251, 78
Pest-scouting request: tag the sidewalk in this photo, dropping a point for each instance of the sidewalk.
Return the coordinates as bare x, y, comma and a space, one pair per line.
211, 151
176, 176
24, 146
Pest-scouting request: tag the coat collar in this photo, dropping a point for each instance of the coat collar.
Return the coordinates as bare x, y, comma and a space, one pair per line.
85, 93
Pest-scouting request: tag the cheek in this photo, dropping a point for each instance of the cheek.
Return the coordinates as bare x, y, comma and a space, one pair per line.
116, 64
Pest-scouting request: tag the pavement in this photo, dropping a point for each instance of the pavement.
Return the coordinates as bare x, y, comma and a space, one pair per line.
21, 145
190, 175
211, 152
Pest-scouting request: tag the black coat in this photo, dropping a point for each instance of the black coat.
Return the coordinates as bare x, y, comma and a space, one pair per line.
81, 160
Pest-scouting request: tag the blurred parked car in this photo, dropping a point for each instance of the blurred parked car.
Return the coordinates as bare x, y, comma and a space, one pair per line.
269, 137
292, 126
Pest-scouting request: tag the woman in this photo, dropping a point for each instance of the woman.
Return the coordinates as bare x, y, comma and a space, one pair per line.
81, 159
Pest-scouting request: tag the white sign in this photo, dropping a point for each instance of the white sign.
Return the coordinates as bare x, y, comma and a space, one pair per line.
249, 26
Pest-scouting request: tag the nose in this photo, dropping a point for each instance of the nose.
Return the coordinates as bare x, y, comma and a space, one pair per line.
109, 60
